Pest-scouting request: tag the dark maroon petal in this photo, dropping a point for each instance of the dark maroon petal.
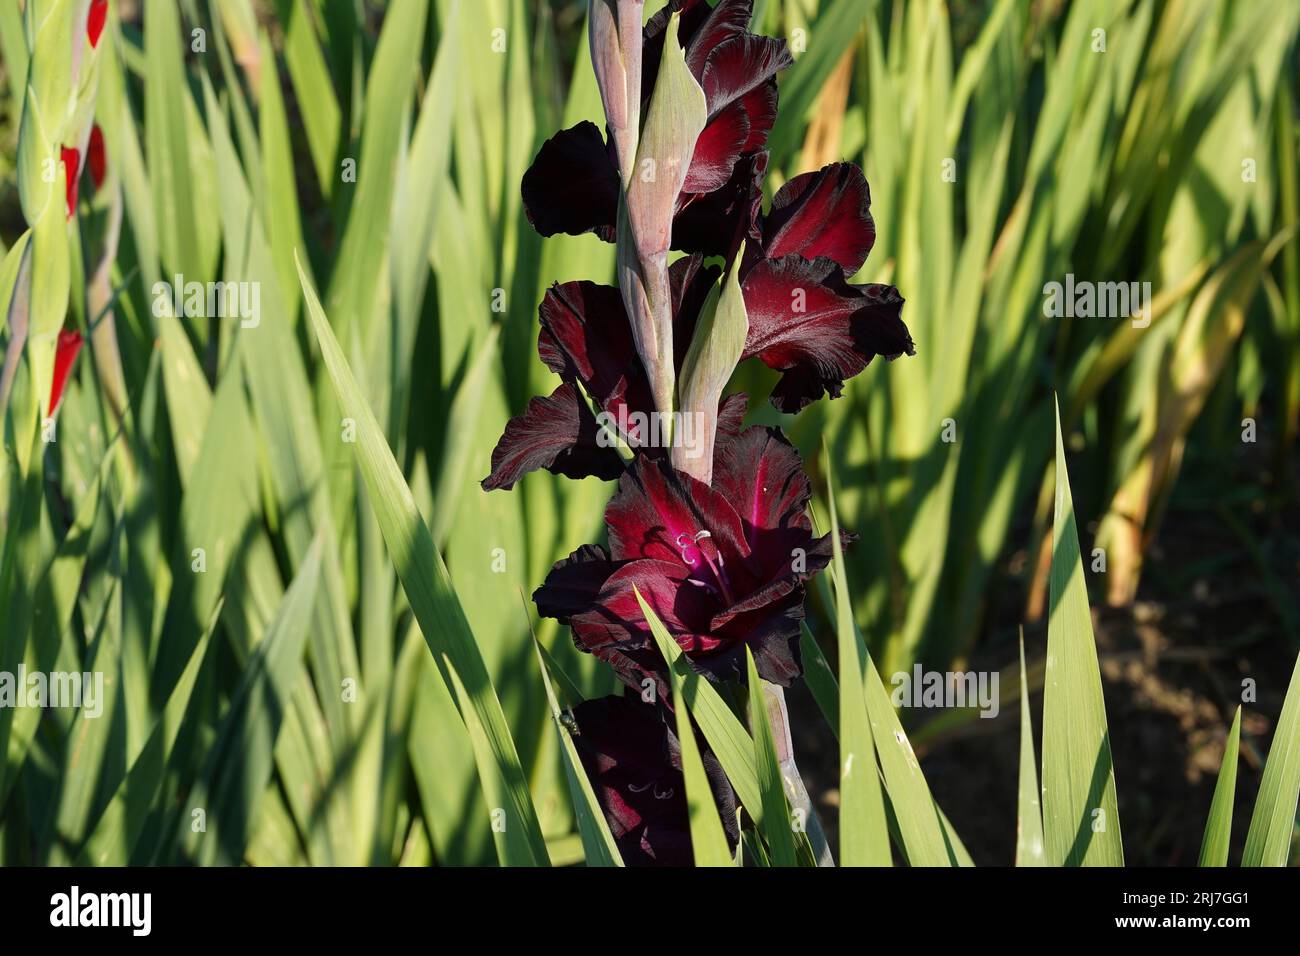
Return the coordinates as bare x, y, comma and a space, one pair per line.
572, 185
634, 763
718, 148
729, 18
586, 336
623, 746
773, 639
661, 514
558, 433
806, 321
714, 224
826, 213
760, 106
731, 419
762, 475
613, 629
739, 65
574, 583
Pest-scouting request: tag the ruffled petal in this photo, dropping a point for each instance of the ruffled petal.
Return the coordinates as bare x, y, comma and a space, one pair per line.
660, 514
826, 213
574, 583
806, 321
586, 336
739, 65
558, 433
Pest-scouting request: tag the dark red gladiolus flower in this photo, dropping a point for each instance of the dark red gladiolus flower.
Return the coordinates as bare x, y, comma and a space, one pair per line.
573, 185
95, 156
95, 23
65, 354
586, 338
72, 166
805, 319
634, 763
723, 566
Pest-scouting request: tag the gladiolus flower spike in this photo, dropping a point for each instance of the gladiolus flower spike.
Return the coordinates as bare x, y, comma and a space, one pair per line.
710, 521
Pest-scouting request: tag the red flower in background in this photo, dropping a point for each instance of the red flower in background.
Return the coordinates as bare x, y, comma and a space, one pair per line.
65, 354
96, 20
95, 156
72, 166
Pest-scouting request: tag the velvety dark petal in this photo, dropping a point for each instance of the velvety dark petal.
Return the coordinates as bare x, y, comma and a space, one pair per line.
633, 760
739, 65
714, 224
731, 419
718, 148
773, 639
826, 213
572, 186
558, 433
759, 105
806, 321
661, 514
586, 335
762, 475
613, 629
574, 583
729, 18
623, 746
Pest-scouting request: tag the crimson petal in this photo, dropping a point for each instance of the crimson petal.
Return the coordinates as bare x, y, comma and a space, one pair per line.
660, 513
72, 166
826, 213
739, 65
714, 224
805, 320
586, 335
95, 21
65, 353
572, 186
558, 433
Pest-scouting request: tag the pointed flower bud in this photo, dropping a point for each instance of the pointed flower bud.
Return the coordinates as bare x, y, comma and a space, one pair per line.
715, 350
676, 115
616, 40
